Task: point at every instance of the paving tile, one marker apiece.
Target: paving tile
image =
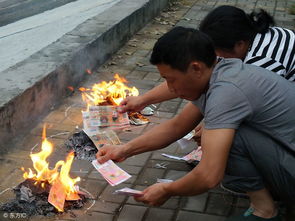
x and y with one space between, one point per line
237 211
219 204
105 207
54 117
184 216
242 202
152 76
195 203
83 165
133 170
159 214
108 196
149 176
94 187
175 174
169 106
137 160
132 213
170 165
96 216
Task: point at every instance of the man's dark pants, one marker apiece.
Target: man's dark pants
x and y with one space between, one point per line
257 161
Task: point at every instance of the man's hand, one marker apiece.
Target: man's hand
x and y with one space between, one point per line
111 152
132 103
155 195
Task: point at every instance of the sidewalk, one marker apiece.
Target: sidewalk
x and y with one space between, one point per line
132 62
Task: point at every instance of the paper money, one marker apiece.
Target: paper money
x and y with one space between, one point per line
106 116
100 118
186 140
111 172
128 192
172 157
195 155
190 135
57 195
107 137
164 180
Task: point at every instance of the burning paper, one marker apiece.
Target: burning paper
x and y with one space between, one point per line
100 115
137 118
111 172
57 195
82 146
62 184
128 192
85 146
108 93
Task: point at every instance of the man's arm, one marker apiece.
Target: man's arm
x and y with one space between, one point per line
216 145
167 132
156 95
156 138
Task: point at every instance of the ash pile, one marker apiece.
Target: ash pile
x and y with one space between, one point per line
32 199
82 145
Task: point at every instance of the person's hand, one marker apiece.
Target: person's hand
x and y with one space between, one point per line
111 152
155 195
132 103
198 133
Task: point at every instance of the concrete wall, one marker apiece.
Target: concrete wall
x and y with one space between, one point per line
40 82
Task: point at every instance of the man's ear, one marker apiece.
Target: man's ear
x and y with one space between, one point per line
240 44
196 68
241 48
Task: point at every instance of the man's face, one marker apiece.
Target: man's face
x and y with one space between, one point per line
187 85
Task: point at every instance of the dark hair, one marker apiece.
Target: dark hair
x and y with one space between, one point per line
180 46
227 25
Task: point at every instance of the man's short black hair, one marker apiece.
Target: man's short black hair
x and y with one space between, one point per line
180 46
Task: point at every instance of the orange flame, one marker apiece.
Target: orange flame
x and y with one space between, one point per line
44 174
113 91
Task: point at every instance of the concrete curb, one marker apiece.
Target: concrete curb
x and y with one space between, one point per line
30 88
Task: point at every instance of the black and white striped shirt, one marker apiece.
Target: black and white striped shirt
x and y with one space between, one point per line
275 51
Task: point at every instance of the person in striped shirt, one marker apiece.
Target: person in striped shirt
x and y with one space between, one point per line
237 35
252 39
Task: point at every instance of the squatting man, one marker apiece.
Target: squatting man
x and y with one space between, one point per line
248 139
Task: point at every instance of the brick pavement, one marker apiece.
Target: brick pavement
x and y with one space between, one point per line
132 62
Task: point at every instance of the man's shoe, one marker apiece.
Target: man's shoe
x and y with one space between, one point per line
248 216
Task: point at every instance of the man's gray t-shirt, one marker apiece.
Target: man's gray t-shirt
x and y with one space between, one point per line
242 93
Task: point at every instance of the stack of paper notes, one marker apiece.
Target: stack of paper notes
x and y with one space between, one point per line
111 172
